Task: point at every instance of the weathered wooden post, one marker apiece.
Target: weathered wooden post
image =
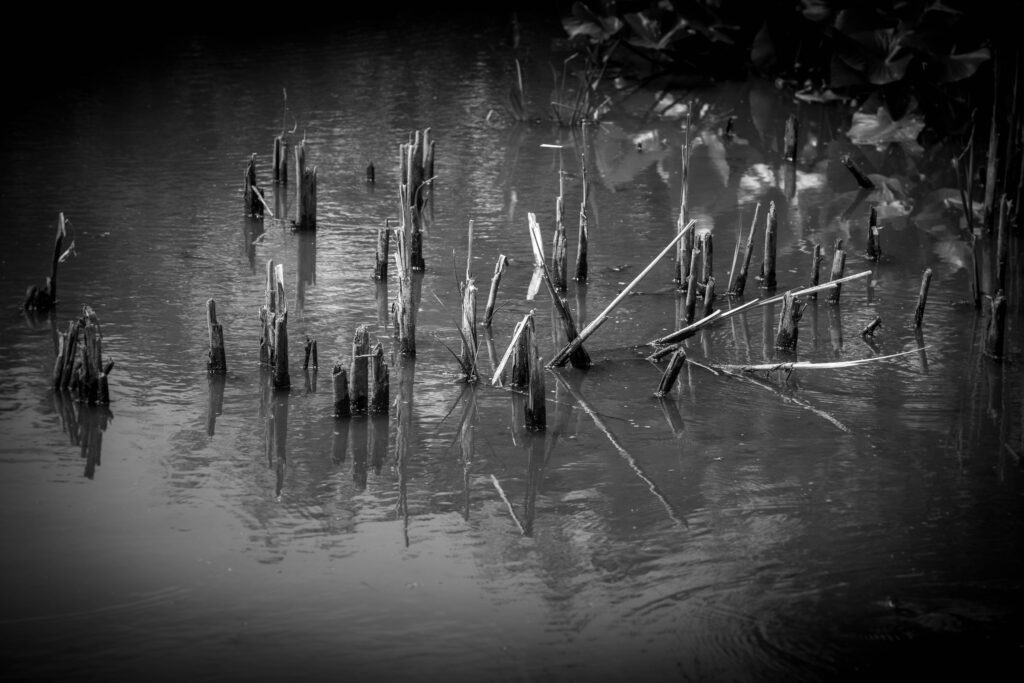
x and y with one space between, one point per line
838 265
559 244
380 268
740 278
253 194
267 311
378 382
815 269
706 255
922 297
770 237
281 377
536 409
684 246
44 299
358 378
709 298
416 170
792 310
467 331
280 159
520 375
217 363
874 251
584 232
691 286
305 209
404 309
339 382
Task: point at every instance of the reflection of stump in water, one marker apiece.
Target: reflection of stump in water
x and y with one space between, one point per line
84 425
357 444
466 436
403 438
277 436
306 266
378 443
216 403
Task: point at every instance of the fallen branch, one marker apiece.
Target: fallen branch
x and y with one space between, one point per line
807 365
562 356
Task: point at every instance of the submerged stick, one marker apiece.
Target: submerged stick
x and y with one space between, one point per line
562 356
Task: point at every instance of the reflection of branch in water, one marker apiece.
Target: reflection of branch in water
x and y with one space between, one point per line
466 440
534 473
277 424
508 504
787 397
651 486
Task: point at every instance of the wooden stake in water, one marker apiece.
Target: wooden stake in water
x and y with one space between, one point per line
559 244
668 378
815 268
995 331
562 356
405 304
584 232
692 280
740 280
359 370
499 269
768 265
305 211
536 409
380 267
706 253
280 159
685 247
787 332
874 244
253 195
922 297
467 330
838 265
217 363
339 381
378 383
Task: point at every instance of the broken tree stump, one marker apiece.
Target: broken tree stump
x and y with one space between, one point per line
740 279
217 362
815 269
253 194
874 250
359 370
305 205
786 335
280 159
378 383
339 383
44 299
838 266
380 267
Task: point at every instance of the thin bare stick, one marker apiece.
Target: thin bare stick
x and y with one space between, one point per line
508 504
563 355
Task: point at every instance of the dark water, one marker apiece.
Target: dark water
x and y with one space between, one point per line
829 524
